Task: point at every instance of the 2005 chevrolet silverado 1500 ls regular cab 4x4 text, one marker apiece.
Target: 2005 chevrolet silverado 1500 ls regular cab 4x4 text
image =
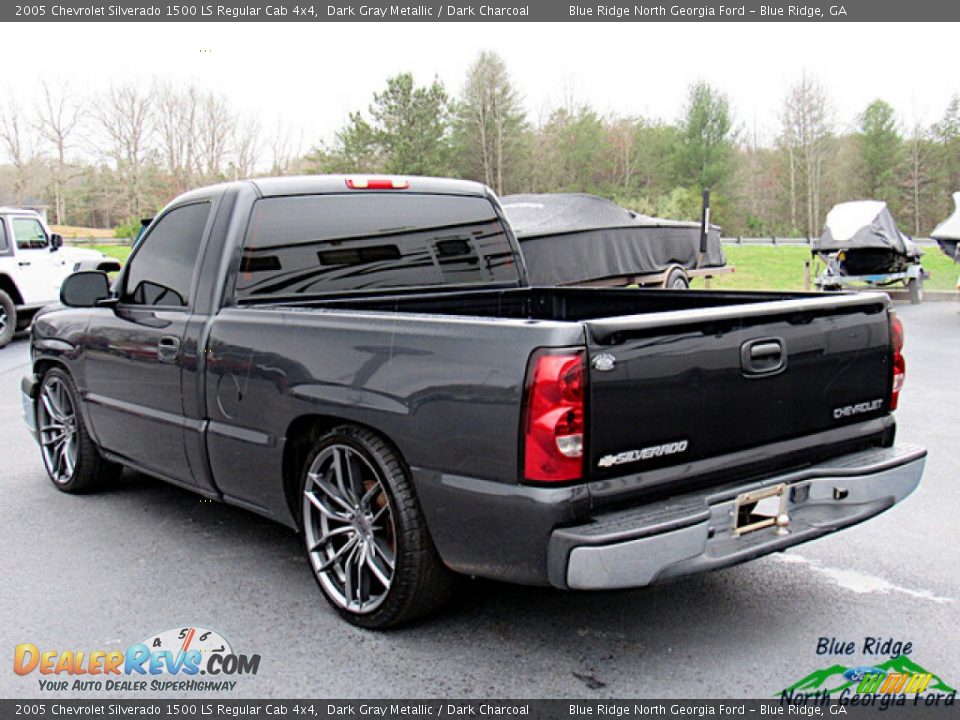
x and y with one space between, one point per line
363 360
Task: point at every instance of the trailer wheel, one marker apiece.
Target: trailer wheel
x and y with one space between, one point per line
915 288
676 280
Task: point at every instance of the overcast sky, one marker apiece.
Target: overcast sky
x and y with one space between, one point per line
313 74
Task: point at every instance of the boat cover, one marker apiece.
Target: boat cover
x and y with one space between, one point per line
574 238
863 224
947 233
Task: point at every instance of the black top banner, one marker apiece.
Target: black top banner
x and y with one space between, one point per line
483 11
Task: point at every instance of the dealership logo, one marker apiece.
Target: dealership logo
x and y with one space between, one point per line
898 680
170 660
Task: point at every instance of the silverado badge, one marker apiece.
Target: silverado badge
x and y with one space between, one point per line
654 451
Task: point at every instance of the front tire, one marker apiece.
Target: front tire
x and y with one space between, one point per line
8 319
365 534
71 458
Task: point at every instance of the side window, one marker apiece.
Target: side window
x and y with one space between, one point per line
4 245
29 233
161 271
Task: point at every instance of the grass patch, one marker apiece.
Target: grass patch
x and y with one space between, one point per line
120 252
780 267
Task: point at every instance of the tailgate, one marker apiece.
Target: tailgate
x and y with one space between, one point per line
676 387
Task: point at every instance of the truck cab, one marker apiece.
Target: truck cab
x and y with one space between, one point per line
33 265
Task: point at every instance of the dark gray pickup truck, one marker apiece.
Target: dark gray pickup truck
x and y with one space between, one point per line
362 359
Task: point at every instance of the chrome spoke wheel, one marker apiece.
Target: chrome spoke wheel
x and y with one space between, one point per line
57 423
349 528
4 319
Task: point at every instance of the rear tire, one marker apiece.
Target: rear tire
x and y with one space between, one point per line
71 458
8 319
677 280
365 534
915 289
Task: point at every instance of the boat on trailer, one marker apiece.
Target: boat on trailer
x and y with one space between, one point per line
947 233
861 246
581 239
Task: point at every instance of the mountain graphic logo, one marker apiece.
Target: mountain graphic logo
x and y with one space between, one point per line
837 678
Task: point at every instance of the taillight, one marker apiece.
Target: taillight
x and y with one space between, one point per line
364 183
899 365
554 420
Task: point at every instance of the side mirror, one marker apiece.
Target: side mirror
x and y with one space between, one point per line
56 242
85 289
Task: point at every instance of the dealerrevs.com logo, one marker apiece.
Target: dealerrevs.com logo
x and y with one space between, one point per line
180 660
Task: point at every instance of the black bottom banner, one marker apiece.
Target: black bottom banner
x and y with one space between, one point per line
862 706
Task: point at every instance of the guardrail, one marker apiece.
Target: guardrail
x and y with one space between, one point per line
773 240
98 241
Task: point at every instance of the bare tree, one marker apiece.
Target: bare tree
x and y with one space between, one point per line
178 128
19 147
622 134
126 118
216 126
756 176
247 148
284 147
58 119
919 147
806 138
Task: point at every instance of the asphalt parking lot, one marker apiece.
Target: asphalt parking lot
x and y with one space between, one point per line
106 570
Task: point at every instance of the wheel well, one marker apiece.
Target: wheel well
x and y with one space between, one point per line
10 288
671 269
676 268
42 366
302 434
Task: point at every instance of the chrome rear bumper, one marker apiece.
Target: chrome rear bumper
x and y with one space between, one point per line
695 532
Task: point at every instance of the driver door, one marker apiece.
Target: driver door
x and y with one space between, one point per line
133 351
38 278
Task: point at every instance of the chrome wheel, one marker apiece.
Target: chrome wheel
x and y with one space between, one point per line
349 529
3 320
57 423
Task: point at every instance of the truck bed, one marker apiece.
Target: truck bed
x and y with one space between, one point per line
679 377
551 303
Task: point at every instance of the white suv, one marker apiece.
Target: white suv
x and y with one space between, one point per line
33 264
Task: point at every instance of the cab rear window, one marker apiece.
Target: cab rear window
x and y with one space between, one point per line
317 244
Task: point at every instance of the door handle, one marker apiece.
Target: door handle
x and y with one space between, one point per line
24 263
762 350
168 349
766 356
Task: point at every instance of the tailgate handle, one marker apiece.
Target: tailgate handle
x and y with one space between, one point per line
763 357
